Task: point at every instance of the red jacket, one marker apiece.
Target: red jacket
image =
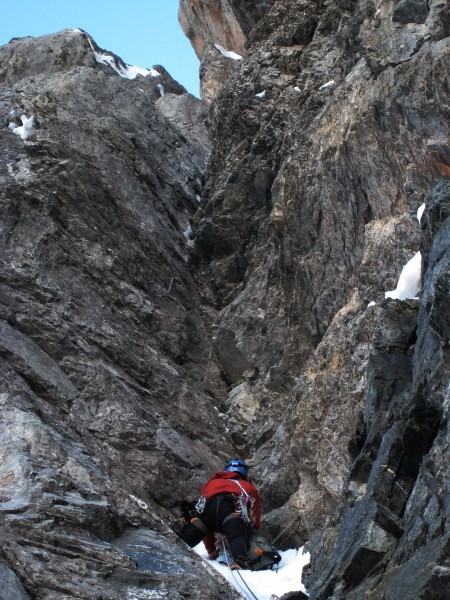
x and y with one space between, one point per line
221 483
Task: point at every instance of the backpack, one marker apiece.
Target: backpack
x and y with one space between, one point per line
261 554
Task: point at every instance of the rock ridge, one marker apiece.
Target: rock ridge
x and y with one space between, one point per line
98 318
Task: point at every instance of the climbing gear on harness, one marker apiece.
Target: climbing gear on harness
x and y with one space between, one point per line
200 505
245 505
236 465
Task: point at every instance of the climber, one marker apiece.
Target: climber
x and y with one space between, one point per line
230 505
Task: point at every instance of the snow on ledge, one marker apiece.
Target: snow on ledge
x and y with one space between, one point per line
420 212
228 53
261 94
327 85
25 129
127 72
408 285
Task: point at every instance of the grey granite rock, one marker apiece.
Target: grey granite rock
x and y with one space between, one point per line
11 589
411 11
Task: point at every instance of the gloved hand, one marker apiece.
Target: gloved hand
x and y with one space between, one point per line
213 555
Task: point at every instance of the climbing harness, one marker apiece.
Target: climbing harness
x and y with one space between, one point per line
245 505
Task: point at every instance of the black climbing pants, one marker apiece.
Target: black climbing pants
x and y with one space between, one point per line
218 516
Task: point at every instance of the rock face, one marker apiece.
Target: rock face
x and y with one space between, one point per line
101 328
224 22
328 137
216 28
157 317
390 536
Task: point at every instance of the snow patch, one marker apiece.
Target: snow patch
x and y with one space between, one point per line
228 53
265 584
161 89
261 94
297 90
420 212
141 594
25 129
127 71
371 304
327 85
189 236
408 285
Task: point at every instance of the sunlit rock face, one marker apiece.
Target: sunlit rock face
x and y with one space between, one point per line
223 23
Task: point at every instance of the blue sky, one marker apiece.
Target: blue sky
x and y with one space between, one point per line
142 32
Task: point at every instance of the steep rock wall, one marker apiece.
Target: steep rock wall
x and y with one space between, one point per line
389 537
326 140
330 134
102 351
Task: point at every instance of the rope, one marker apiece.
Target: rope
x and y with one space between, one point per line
299 517
233 572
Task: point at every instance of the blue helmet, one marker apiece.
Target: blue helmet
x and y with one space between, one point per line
236 465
